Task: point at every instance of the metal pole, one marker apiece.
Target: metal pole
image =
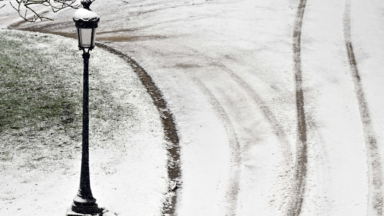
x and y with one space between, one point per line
84 202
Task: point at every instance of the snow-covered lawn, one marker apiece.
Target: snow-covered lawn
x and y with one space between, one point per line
40 165
232 73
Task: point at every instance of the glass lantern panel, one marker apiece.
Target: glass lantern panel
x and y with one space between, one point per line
94 37
85 37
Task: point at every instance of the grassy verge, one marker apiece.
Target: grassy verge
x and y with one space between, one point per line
41 100
40 130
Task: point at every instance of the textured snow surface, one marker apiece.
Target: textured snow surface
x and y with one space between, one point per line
227 70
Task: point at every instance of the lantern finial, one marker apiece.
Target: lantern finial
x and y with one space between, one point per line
86 4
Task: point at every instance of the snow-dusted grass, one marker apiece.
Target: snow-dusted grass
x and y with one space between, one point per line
40 130
227 72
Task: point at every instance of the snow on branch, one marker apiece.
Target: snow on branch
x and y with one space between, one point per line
25 7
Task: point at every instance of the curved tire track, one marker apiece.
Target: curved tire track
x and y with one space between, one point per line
173 148
174 171
277 128
233 190
300 173
375 197
267 113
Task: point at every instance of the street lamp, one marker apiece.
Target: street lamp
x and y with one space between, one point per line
86 24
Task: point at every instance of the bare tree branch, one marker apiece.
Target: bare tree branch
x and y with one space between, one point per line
24 8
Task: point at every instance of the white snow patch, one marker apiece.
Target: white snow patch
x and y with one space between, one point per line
85 15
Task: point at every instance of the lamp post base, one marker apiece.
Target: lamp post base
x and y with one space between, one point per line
70 212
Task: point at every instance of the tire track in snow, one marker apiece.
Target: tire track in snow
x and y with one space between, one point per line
300 172
233 190
174 170
267 113
375 172
277 128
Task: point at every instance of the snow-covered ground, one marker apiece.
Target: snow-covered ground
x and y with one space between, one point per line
233 73
128 157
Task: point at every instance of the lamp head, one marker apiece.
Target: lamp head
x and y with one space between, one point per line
86 23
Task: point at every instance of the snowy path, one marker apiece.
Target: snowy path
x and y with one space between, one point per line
277 103
375 197
338 158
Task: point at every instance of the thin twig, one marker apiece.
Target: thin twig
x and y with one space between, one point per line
25 6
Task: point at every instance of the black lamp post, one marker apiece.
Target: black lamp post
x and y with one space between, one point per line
86 24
